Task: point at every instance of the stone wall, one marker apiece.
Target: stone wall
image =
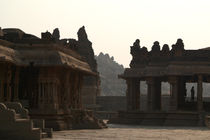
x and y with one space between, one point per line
111 103
116 103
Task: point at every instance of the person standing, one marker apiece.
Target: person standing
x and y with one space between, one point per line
192 94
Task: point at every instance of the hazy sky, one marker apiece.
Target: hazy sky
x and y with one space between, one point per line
113 25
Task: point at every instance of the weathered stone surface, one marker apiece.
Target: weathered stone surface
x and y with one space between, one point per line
47 36
17 127
85 120
56 34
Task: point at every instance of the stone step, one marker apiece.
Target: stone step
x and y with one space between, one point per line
18 116
44 135
35 129
22 120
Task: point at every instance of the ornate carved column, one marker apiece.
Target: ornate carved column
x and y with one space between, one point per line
66 90
133 94
80 89
43 94
55 93
16 84
200 93
1 90
174 93
8 84
49 93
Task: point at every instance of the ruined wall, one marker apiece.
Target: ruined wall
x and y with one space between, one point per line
111 103
116 103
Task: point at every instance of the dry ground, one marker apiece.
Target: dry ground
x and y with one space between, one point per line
125 132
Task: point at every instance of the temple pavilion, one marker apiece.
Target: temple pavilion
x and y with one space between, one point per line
176 67
45 75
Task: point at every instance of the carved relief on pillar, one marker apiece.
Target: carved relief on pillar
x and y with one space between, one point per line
173 80
47 92
76 93
16 84
80 83
66 90
1 90
8 82
200 93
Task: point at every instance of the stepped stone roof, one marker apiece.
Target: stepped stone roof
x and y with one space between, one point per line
24 49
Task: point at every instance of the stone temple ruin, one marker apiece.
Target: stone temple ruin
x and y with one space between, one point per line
46 76
91 84
91 87
177 67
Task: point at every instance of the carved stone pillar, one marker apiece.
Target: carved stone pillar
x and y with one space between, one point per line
133 94
200 93
8 83
157 94
39 93
54 93
150 93
1 91
48 91
153 94
43 95
174 93
16 85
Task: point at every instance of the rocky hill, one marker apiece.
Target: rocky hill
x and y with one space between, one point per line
112 86
109 71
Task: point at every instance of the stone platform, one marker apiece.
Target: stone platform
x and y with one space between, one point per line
178 118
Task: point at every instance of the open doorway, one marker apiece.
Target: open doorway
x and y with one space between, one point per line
143 97
165 96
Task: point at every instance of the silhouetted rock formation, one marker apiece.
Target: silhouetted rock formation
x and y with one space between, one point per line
109 70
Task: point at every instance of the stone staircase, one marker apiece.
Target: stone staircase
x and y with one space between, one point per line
16 124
